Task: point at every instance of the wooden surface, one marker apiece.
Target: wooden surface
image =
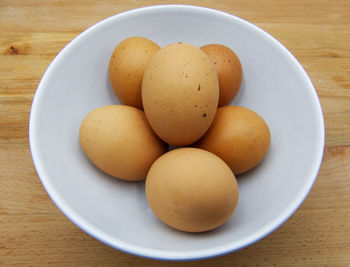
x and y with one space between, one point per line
33 232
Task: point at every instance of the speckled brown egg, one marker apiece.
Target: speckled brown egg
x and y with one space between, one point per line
229 69
119 141
191 190
126 68
239 136
180 93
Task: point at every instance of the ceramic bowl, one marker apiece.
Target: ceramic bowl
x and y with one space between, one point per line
274 85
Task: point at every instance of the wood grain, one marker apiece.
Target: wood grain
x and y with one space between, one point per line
34 232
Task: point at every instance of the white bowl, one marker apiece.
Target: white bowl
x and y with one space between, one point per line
116 212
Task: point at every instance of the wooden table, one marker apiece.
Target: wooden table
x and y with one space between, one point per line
32 229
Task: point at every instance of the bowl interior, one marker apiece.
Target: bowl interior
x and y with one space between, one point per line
116 212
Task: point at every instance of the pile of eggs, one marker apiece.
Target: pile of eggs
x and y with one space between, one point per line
177 95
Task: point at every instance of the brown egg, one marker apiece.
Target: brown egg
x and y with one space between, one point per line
229 71
180 93
191 190
239 136
126 68
119 141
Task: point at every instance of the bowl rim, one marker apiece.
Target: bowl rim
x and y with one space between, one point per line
160 254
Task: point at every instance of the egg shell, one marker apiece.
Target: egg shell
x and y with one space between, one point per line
180 93
119 141
191 190
229 70
126 68
239 136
